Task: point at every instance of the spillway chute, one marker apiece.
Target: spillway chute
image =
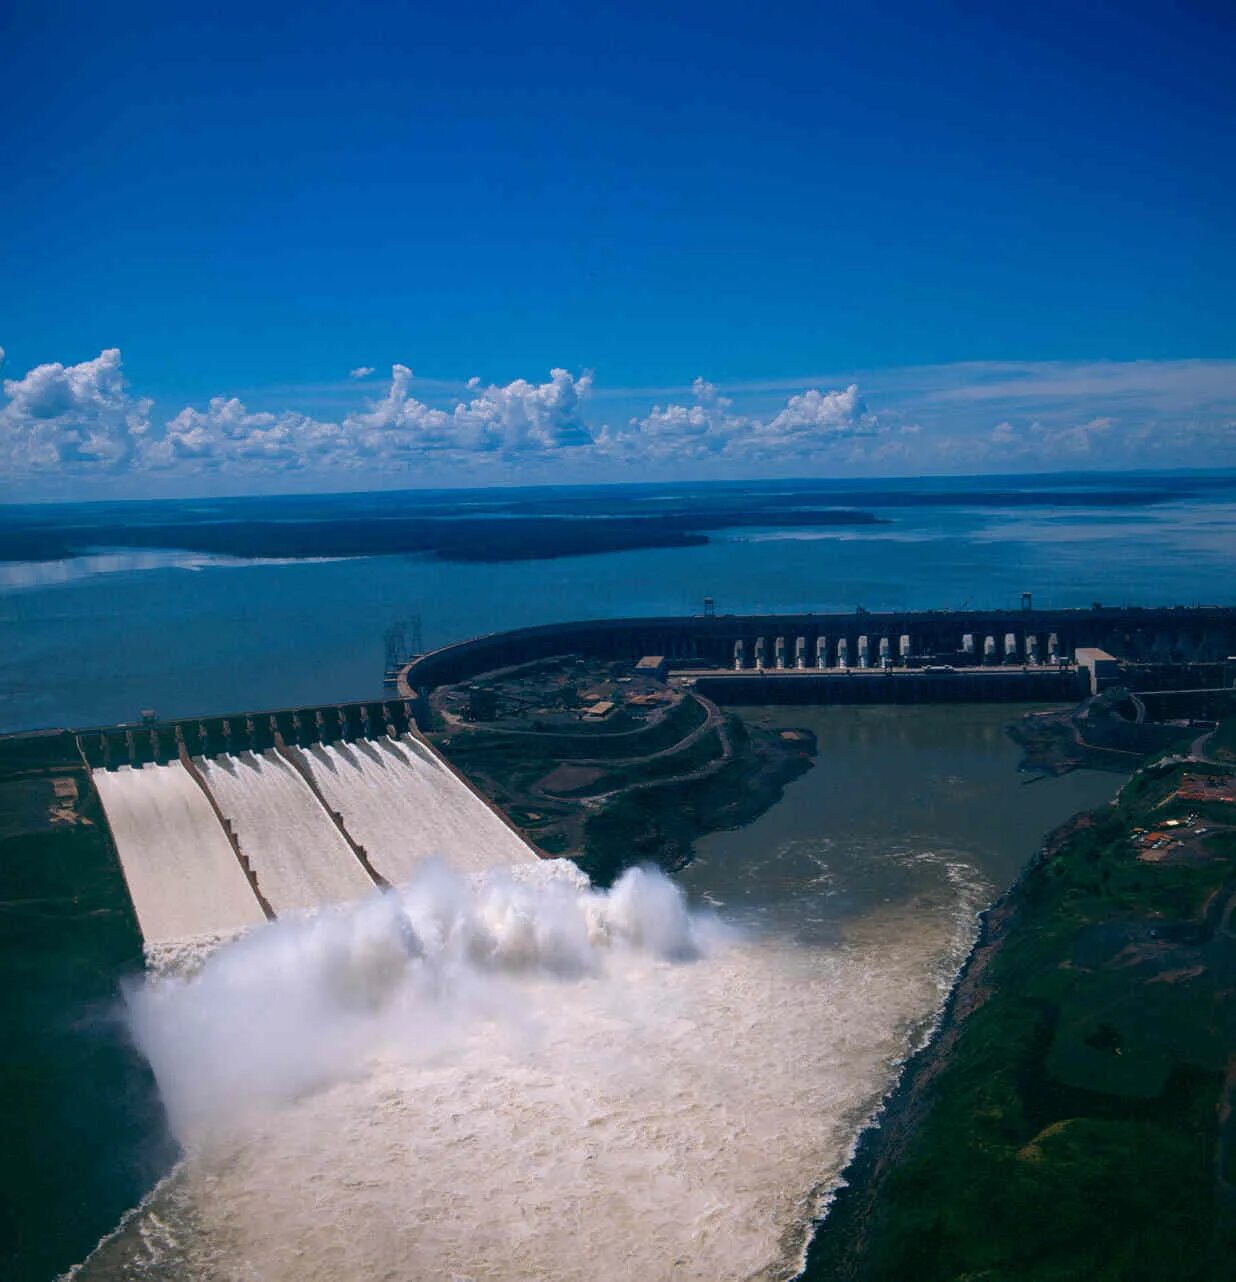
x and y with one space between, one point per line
182 872
300 858
403 806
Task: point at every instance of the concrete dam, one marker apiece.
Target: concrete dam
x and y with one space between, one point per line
932 656
212 843
222 822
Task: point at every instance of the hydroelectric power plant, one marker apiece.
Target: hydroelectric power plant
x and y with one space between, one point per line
369 999
221 822
919 656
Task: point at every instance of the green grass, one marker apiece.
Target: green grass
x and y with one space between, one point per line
82 1135
1222 744
1072 1130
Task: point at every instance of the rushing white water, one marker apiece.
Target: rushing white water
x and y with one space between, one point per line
520 1077
299 856
404 805
183 876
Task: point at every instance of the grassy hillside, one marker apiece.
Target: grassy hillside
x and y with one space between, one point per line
1074 1117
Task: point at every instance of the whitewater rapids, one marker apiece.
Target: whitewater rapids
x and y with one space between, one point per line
517 1076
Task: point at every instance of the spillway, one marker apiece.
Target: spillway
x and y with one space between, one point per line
298 854
183 875
405 806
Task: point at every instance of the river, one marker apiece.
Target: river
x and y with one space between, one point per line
655 1114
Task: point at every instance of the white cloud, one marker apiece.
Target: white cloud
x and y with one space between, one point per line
228 437
518 419
703 430
1035 439
83 420
815 419
807 424
71 418
361 371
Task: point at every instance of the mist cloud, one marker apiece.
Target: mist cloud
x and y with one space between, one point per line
303 1002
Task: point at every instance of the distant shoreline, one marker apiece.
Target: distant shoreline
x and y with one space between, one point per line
523 524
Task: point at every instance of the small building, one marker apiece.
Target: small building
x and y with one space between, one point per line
1102 669
654 666
599 711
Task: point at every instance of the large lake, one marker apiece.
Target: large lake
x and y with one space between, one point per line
96 639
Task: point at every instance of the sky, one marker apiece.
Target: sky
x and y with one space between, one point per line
250 248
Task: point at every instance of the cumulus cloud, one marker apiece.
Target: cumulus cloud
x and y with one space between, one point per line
78 420
807 424
517 419
228 437
1035 440
60 419
361 371
71 418
817 419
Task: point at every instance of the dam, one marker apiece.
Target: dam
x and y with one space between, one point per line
1031 649
591 1062
224 821
212 843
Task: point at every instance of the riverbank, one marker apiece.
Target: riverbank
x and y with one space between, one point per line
1072 1115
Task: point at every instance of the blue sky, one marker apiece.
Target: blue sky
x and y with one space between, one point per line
921 201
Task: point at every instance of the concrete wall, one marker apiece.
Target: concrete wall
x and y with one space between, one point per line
1163 635
137 745
975 686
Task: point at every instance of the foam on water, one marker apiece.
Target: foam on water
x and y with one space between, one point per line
519 1076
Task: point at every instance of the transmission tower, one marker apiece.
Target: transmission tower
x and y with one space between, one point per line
403 640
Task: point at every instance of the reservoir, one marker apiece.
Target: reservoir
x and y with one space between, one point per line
672 1098
95 640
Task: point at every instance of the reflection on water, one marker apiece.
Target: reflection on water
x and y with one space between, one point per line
16 576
